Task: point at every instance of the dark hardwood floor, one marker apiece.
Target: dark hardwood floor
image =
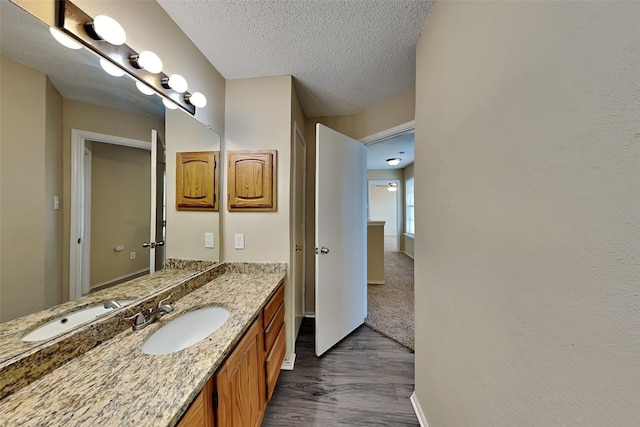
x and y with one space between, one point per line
365 380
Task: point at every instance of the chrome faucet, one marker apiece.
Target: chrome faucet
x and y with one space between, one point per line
140 321
112 304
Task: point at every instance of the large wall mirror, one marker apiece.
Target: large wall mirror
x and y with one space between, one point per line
49 92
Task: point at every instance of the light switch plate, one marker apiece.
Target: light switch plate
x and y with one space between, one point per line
208 240
239 241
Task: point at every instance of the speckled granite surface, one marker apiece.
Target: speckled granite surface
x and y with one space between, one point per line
116 382
12 331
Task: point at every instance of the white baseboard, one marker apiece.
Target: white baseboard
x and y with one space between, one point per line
408 254
287 364
310 315
119 279
418 410
371 282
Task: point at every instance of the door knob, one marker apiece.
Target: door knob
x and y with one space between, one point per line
324 250
298 248
153 244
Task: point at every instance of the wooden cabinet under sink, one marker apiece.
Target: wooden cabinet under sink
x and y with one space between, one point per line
237 394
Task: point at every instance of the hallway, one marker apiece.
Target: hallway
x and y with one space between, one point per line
365 380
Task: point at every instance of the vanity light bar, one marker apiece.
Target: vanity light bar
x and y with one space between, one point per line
72 20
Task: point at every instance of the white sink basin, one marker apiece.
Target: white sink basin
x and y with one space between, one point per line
69 321
186 330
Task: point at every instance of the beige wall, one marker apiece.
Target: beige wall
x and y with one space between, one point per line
258 116
186 229
30 277
120 201
527 214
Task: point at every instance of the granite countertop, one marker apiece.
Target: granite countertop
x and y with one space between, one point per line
11 332
117 382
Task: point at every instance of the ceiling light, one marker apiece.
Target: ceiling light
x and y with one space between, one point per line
196 99
392 187
108 29
169 104
175 82
147 60
110 68
393 161
144 88
64 39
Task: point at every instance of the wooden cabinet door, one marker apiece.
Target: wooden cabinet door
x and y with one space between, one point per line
197 180
252 180
200 413
241 384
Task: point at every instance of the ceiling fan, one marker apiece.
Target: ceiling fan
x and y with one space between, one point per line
392 186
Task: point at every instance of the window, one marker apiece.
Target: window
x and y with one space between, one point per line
410 223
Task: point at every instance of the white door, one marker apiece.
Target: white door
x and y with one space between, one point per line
340 239
156 241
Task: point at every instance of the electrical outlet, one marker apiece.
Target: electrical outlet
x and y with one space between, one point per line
132 255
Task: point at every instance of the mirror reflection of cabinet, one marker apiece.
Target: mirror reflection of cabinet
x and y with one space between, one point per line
197 179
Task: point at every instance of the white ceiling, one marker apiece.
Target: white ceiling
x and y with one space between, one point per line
345 55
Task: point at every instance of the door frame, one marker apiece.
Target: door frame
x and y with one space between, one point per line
76 243
372 139
297 133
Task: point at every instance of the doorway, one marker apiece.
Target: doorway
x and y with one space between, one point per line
111 199
384 204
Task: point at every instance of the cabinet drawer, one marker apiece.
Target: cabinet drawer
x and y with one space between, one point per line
273 362
271 331
272 306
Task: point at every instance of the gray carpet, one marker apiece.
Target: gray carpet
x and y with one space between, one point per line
391 306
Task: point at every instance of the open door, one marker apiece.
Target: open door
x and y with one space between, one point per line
340 239
156 242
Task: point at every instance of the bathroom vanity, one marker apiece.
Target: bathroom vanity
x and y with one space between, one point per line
115 381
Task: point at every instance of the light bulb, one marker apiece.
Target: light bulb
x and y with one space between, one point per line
196 99
109 30
111 69
144 88
175 82
169 104
392 188
147 60
64 39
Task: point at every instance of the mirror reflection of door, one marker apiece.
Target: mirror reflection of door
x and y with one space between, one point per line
117 218
114 195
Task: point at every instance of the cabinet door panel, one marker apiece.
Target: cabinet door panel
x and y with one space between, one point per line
252 180
197 180
241 384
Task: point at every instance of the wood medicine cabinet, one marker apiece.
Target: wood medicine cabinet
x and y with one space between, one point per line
252 180
197 177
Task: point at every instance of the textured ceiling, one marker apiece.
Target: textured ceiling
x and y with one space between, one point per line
345 55
400 146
